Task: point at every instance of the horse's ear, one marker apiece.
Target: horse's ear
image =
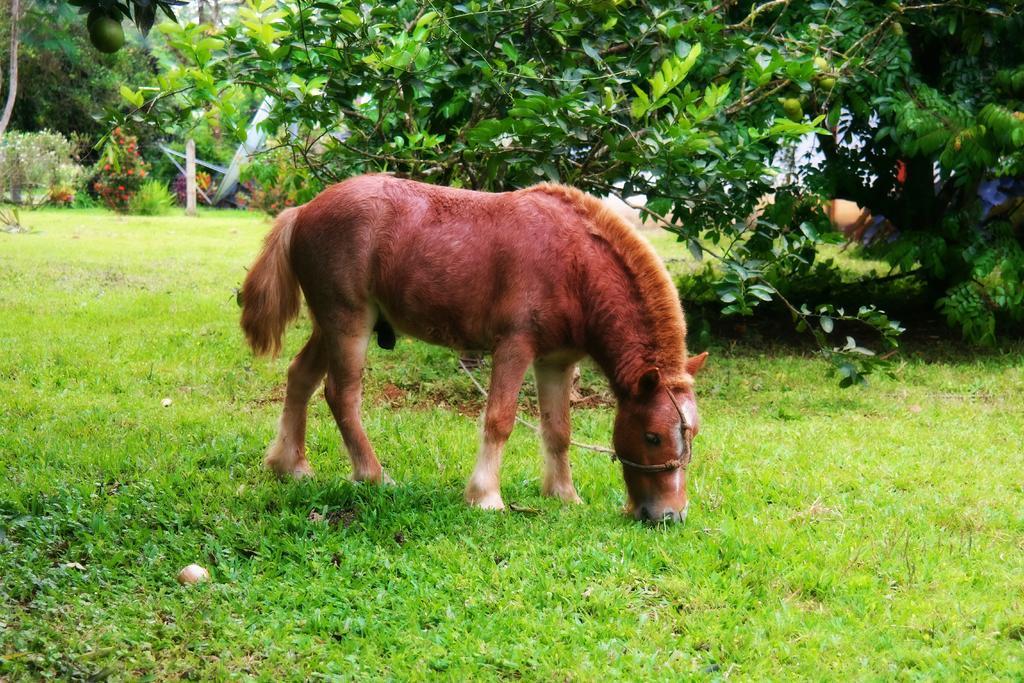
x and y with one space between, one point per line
648 382
695 363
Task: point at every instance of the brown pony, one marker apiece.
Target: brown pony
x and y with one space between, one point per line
542 276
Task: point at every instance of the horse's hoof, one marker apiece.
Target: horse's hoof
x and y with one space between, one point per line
565 495
562 492
380 478
486 501
300 469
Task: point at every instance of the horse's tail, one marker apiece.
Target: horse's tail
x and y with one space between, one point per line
270 294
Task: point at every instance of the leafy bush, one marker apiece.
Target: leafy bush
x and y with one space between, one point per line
36 166
120 171
204 185
932 142
67 184
276 182
61 195
152 199
84 200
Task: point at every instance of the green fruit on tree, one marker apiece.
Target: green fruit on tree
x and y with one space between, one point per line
827 83
820 63
897 29
105 33
794 110
93 16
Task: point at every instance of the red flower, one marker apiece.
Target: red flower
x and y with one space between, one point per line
130 171
121 187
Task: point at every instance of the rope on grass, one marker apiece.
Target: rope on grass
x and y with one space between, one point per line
527 423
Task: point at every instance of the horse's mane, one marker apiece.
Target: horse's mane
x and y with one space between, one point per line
658 295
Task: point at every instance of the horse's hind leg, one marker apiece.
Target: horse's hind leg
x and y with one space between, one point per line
346 342
554 385
286 456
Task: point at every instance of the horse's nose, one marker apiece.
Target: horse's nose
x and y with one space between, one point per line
655 514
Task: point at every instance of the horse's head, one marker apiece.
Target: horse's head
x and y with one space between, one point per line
653 437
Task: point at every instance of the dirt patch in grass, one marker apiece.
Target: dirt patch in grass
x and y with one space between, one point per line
275 395
392 395
345 517
586 397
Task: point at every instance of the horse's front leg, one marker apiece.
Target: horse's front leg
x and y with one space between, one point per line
554 386
511 359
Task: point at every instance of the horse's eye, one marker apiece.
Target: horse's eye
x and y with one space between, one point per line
652 439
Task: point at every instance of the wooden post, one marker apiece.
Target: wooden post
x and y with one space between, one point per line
190 177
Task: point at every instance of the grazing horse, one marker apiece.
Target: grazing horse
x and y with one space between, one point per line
540 276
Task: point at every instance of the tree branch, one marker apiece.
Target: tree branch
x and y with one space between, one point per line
758 10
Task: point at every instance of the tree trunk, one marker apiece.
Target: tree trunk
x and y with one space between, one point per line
12 80
3 19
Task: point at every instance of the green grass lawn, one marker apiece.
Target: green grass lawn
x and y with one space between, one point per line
872 533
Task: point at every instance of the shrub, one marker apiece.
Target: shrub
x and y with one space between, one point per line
84 200
152 199
277 183
36 166
65 184
204 185
120 172
61 195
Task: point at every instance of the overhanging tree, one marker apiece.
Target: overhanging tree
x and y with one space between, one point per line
688 105
932 141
